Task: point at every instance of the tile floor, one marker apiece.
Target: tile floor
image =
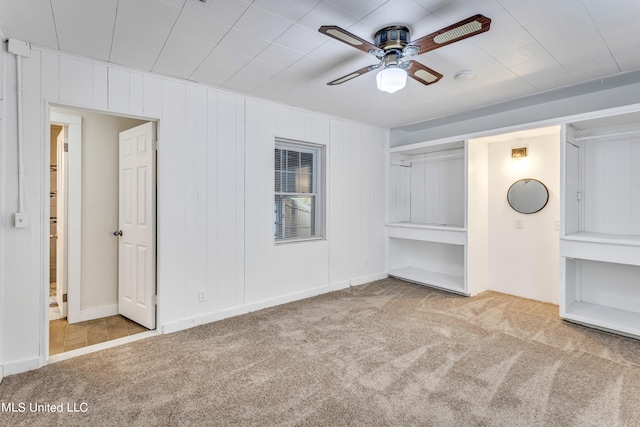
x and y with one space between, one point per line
65 337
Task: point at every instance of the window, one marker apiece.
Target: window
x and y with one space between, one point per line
297 207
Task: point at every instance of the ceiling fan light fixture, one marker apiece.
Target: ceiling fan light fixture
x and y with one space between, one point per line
391 79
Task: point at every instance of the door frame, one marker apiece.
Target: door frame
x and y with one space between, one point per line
72 126
77 187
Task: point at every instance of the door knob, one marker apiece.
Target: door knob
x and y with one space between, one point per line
117 233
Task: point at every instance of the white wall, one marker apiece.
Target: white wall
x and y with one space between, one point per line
357 203
215 182
3 218
524 261
612 185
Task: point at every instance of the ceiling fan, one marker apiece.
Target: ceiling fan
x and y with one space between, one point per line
393 45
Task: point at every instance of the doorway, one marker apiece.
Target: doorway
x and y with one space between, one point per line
57 309
514 252
88 251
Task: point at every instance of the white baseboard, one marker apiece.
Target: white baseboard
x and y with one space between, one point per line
191 322
358 281
98 312
22 366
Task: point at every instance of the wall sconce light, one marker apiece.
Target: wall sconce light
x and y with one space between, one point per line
518 153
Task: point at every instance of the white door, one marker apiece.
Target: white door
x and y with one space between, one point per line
137 227
61 226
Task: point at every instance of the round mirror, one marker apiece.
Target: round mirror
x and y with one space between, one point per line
528 196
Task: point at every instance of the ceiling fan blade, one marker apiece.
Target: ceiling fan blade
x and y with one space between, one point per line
346 37
466 28
423 74
353 75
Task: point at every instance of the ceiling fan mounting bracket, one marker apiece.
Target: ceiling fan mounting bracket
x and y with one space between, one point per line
393 37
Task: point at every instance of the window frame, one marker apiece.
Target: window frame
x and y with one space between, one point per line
318 186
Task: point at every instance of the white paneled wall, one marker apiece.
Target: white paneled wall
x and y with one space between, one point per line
612 201
357 202
437 191
3 222
215 198
283 269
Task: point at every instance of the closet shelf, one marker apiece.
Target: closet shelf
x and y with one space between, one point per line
434 279
607 318
440 233
603 250
618 239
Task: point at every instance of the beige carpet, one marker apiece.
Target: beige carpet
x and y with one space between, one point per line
385 353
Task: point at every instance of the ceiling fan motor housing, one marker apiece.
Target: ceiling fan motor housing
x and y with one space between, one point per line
394 37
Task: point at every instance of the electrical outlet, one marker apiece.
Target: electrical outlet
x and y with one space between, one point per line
202 295
21 220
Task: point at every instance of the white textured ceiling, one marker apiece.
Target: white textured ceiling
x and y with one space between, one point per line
272 49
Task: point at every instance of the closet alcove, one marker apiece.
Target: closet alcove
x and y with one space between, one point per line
450 224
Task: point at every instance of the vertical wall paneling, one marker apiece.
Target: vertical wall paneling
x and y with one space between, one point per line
100 87
136 94
240 197
418 182
259 181
2 203
196 193
212 205
399 203
376 185
171 201
36 162
76 81
119 90
357 201
229 168
24 300
50 77
611 166
635 191
152 92
338 168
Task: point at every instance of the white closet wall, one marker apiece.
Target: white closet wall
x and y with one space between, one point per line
523 250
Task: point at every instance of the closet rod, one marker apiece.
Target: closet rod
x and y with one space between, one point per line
609 135
425 159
